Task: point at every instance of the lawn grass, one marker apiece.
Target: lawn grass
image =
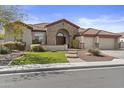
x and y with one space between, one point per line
40 58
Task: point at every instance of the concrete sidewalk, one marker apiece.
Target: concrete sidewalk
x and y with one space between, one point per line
62 66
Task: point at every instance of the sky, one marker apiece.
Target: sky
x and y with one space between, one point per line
103 17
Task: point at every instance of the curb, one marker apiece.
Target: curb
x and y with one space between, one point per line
23 70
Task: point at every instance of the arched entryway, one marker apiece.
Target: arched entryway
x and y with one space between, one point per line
62 37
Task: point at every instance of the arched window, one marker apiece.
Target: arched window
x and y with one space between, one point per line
60 34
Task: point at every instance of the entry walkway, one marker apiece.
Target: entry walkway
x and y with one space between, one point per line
72 56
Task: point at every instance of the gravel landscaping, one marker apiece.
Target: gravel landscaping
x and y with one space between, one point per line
84 55
7 58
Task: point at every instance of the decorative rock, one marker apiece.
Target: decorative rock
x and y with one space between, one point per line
88 54
5 59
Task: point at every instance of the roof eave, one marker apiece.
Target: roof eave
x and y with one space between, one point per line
60 21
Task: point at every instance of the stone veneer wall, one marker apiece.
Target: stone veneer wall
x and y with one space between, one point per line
53 29
55 47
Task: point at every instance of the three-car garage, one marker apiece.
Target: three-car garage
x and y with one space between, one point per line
93 38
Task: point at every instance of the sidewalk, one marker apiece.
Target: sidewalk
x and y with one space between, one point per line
62 66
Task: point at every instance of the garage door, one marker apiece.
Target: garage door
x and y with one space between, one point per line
106 43
88 42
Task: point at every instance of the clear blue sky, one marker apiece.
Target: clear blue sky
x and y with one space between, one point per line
105 17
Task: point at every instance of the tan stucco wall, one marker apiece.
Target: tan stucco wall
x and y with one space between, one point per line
27 37
53 29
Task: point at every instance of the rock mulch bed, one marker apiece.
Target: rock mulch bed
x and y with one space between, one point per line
6 59
84 55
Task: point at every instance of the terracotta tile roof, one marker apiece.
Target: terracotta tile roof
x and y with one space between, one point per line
38 27
102 32
61 21
91 31
96 32
22 23
81 30
122 34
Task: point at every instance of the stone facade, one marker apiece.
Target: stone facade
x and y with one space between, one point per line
54 29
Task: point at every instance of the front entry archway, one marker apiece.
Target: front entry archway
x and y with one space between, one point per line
60 39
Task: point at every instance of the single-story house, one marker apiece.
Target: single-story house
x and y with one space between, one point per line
121 39
59 34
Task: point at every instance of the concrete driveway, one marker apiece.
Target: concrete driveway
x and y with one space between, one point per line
115 53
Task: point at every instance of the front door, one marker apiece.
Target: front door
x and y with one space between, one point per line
60 40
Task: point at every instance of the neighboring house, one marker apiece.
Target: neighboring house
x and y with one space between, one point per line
121 40
122 36
62 32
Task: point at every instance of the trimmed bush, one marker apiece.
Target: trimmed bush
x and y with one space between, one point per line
4 50
10 45
36 48
20 46
36 41
95 52
75 43
15 45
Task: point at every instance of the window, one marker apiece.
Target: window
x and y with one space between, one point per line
60 34
39 36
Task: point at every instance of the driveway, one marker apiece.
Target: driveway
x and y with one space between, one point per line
115 53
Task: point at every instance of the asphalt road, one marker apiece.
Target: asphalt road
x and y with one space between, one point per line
100 77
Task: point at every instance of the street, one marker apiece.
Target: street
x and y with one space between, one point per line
96 77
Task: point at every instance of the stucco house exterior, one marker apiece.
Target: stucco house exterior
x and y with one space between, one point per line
121 39
59 34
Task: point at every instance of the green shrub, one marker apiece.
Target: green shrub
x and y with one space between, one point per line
20 46
36 48
10 45
36 41
1 36
95 52
4 50
75 43
15 45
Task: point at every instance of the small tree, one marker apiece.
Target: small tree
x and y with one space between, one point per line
9 14
1 36
75 43
15 30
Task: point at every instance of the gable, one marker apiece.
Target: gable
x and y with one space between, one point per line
62 21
